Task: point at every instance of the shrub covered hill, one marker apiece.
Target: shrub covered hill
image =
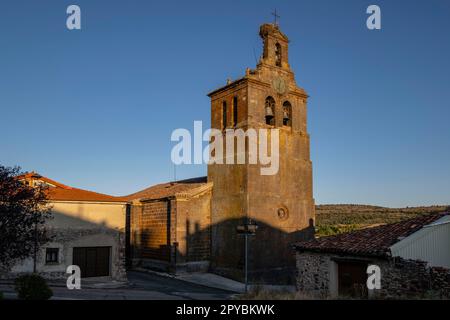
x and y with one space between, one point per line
338 218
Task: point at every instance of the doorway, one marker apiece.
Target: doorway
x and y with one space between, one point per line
93 261
352 279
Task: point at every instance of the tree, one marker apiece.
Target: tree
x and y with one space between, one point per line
23 212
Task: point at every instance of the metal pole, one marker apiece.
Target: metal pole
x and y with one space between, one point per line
246 263
35 248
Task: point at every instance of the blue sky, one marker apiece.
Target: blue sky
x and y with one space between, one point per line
95 108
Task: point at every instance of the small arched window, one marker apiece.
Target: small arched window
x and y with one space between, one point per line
278 55
287 114
235 111
224 115
269 109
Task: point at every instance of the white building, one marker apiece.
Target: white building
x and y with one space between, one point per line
88 230
430 243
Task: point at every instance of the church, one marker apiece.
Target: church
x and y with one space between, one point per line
196 224
192 225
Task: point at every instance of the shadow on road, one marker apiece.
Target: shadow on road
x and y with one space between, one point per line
141 286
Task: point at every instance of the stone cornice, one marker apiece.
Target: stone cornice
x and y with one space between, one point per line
251 80
196 192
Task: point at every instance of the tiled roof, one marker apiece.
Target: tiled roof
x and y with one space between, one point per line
36 176
74 194
60 192
168 189
374 241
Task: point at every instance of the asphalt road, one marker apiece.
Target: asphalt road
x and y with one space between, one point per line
142 286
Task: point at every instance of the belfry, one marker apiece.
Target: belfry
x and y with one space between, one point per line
192 224
281 204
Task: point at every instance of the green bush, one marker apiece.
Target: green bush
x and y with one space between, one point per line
331 230
32 287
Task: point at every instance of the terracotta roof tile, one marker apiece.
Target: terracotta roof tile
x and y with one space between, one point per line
74 194
35 176
168 189
60 192
374 241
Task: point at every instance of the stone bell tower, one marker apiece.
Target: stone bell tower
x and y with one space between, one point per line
281 204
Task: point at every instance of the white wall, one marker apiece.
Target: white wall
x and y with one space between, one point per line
430 244
81 224
88 215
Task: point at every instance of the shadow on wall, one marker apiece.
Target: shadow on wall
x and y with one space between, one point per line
271 259
68 232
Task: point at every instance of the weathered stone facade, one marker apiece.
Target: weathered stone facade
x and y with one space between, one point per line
313 274
281 204
66 239
413 279
173 232
156 222
317 275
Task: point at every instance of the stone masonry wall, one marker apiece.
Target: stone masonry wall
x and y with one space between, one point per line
399 278
413 279
313 274
154 231
172 232
281 202
194 229
65 240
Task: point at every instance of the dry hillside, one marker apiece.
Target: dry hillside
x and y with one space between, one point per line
332 219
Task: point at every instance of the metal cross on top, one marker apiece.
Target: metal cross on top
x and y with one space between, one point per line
276 16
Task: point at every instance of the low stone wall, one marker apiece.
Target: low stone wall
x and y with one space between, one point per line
440 281
413 279
45 275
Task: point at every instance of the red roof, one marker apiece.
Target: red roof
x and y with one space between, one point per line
60 192
168 189
374 241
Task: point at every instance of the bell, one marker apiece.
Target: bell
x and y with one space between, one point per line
269 111
285 115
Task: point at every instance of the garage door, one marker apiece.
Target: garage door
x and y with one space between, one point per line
93 261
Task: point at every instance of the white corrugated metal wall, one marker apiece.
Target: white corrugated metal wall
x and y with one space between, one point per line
431 244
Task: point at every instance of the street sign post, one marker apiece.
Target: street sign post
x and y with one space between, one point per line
247 229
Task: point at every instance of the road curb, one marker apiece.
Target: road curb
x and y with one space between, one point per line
172 276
